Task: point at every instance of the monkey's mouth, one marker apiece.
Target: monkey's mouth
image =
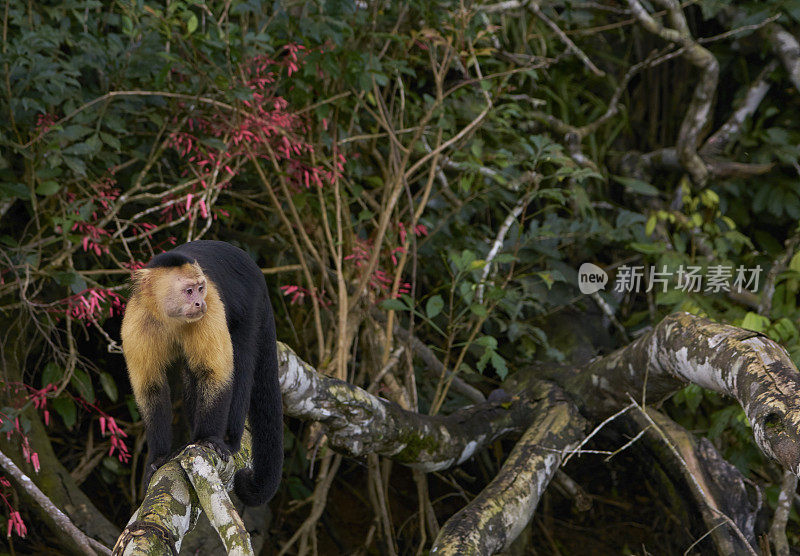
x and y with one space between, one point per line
195 314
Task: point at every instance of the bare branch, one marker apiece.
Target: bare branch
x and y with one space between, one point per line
777 531
698 114
743 364
571 46
733 127
86 545
786 46
358 423
498 243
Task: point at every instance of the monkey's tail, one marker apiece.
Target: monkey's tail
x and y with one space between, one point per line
257 485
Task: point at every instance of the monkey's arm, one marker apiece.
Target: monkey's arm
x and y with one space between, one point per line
148 350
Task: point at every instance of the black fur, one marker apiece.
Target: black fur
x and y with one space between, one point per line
254 389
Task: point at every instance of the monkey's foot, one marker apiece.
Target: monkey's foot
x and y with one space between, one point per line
152 465
216 444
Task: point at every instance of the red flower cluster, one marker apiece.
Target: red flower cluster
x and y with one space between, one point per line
263 125
90 303
117 434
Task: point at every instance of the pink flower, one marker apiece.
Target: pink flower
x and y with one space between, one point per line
15 522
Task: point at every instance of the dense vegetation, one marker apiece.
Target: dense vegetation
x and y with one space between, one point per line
442 166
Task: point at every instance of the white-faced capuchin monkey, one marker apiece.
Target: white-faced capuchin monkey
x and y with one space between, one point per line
205 304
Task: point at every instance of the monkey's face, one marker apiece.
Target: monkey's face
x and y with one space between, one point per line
186 300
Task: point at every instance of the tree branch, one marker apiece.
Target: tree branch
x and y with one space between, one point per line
358 423
682 348
786 46
698 114
501 511
80 540
195 481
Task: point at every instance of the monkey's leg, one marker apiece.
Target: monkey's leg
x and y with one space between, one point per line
211 404
156 410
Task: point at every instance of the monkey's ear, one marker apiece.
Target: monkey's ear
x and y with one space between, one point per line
140 276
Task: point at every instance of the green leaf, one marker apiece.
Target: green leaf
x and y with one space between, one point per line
785 330
499 365
109 386
754 321
191 25
24 424
52 374
693 395
75 281
111 141
484 359
648 248
633 185
127 25
11 190
80 149
434 306
463 260
83 384
297 490
489 342
47 188
65 407
651 225
794 264
7 422
113 465
478 309
720 420
393 305
76 165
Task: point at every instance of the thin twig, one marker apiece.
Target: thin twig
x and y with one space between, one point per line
566 40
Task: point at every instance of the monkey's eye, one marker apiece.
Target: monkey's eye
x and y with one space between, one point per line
200 288
189 291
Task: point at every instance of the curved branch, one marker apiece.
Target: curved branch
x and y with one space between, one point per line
682 348
732 128
717 489
196 480
501 511
358 423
